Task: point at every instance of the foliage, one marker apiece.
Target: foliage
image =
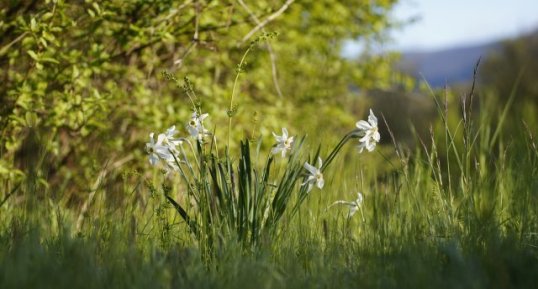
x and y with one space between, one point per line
81 79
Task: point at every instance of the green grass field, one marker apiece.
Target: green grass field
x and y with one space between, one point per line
458 211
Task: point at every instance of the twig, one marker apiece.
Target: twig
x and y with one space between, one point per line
10 194
5 49
269 48
179 61
267 20
196 20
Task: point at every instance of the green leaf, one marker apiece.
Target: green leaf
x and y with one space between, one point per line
47 16
18 119
43 41
33 25
33 55
48 36
96 7
50 60
31 119
183 214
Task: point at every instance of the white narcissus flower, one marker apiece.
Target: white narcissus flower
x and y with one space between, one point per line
315 177
371 133
353 206
157 150
196 126
284 143
165 149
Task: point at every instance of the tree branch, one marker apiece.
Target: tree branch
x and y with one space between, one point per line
267 20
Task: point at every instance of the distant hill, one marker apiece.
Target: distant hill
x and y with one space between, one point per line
447 66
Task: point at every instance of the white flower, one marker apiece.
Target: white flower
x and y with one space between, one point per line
196 126
283 143
165 149
353 206
315 175
371 133
157 150
169 139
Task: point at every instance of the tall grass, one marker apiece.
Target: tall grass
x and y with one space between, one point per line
460 211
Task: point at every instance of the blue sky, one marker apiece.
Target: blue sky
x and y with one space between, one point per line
444 23
448 23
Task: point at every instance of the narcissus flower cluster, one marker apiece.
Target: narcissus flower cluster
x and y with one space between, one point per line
165 149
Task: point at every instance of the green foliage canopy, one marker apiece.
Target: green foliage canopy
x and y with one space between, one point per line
81 80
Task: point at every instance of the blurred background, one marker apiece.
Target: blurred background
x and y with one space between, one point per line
439 45
442 41
85 82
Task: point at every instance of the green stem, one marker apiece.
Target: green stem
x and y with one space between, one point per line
231 108
337 149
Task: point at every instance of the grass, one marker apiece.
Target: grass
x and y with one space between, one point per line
459 212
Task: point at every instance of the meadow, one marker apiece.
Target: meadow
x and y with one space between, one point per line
177 151
459 212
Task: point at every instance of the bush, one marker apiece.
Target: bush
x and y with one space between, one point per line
81 78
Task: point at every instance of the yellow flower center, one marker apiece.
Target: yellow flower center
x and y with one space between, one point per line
287 142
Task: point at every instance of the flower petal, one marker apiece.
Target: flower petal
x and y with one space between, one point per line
372 119
193 131
153 159
361 147
365 139
360 198
160 138
370 146
363 125
342 202
171 131
321 183
310 168
309 180
352 210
